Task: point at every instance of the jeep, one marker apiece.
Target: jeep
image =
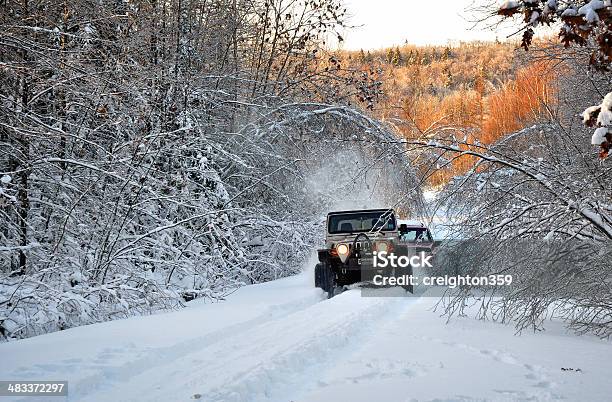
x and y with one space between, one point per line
415 234
350 241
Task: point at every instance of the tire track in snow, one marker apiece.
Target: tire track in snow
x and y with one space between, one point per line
270 361
311 378
112 376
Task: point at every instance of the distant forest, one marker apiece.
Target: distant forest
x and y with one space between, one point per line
487 89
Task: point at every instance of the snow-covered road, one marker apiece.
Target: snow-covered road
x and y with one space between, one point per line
283 341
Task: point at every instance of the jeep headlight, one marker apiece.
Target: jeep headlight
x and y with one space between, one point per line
343 251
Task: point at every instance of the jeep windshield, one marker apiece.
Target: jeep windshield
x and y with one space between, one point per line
355 222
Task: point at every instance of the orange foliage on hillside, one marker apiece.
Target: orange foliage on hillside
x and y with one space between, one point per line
519 102
475 90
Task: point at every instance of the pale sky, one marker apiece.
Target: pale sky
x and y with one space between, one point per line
391 22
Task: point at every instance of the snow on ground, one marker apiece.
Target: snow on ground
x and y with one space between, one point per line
283 341
418 357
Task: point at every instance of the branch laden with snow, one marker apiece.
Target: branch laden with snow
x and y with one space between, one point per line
600 116
584 23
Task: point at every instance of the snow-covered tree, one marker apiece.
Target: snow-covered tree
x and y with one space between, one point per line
153 152
535 204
